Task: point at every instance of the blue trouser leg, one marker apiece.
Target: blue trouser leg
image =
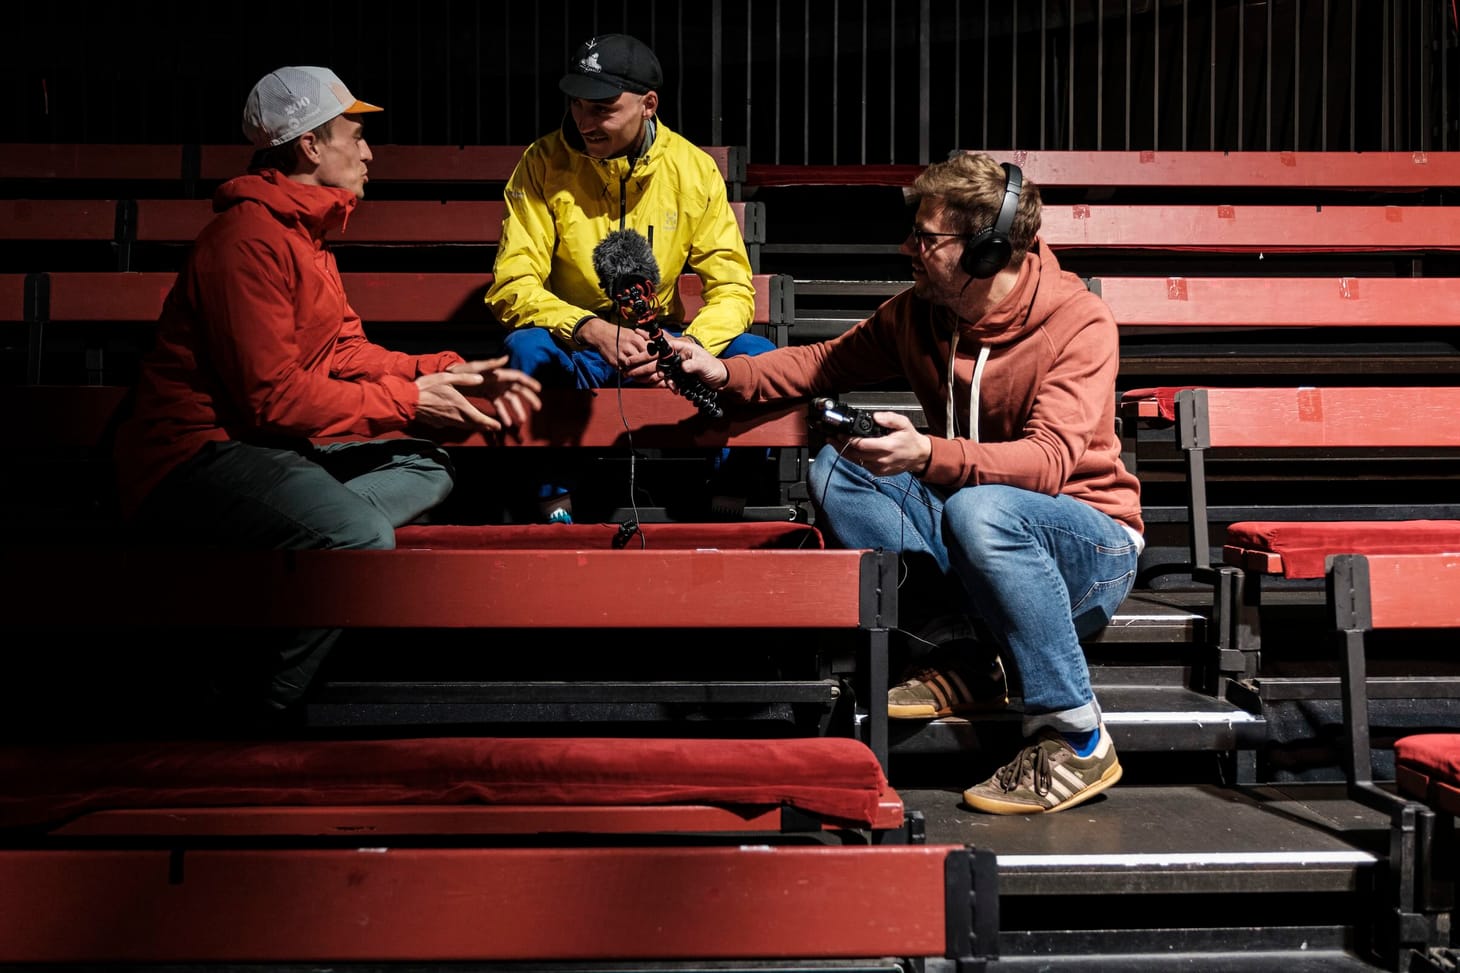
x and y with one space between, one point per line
535 351
1042 572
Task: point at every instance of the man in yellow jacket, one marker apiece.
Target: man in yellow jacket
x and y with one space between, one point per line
614 166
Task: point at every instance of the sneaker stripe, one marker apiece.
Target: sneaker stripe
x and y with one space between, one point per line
938 686
1062 787
949 691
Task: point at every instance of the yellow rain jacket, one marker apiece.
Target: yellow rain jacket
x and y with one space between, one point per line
561 202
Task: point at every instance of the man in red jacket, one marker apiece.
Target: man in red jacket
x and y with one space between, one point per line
1017 492
258 354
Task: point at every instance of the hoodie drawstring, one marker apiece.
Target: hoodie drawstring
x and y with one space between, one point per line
973 389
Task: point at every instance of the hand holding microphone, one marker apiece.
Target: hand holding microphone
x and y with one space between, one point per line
629 275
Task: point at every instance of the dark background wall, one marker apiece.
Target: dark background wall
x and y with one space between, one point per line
817 81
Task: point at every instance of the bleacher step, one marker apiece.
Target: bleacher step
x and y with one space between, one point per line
1189 839
1154 718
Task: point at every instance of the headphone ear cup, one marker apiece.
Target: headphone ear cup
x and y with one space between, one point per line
985 254
988 251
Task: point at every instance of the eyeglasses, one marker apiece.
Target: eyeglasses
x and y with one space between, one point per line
926 238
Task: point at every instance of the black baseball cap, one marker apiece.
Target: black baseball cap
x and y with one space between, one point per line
610 64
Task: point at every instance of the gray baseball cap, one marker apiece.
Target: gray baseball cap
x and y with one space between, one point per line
610 64
290 101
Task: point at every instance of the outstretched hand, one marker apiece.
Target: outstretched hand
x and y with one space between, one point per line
697 363
513 393
444 401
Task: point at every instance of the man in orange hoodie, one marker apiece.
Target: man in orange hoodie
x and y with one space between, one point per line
258 354
1016 492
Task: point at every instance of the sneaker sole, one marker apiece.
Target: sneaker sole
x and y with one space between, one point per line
915 712
925 711
995 806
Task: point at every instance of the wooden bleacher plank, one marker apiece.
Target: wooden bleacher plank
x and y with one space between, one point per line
12 298
1282 302
76 416
435 163
428 298
1413 591
377 221
91 161
452 903
1355 416
58 219
1387 171
1107 169
107 296
405 297
170 220
410 221
99 297
1258 229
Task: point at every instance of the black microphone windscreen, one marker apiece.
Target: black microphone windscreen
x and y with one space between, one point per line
624 255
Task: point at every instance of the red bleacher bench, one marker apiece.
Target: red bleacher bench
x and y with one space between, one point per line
451 849
1104 170
1293 422
187 164
100 299
1403 595
683 575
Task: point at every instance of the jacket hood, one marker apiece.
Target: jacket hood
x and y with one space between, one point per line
316 209
1040 288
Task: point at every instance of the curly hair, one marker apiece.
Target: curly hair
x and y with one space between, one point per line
970 189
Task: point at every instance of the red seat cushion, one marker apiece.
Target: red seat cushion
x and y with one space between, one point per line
1427 768
832 776
1304 545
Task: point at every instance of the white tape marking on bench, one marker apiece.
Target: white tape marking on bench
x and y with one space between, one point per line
1238 716
1157 860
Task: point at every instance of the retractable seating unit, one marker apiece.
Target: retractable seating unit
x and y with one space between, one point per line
536 851
738 579
1414 596
1277 481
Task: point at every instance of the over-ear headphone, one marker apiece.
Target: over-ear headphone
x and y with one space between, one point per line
988 251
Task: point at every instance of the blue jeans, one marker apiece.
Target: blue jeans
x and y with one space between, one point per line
308 497
535 351
1041 572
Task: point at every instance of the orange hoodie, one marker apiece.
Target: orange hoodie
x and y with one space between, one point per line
257 340
1045 401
